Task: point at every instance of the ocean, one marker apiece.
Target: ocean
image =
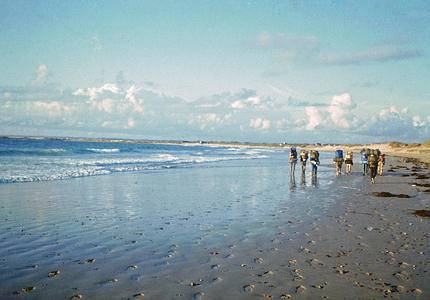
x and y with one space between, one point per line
25 160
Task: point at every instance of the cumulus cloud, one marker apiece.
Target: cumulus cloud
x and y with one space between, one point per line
373 55
250 101
210 120
41 74
52 108
259 123
394 122
338 114
111 98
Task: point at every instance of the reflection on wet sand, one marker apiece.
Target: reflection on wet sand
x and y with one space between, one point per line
234 231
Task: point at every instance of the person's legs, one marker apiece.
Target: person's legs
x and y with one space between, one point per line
372 173
380 168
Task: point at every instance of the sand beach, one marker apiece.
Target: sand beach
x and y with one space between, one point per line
232 229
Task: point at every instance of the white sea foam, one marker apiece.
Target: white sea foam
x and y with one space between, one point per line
103 150
42 168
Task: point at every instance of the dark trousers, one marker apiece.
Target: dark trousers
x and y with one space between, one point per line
373 171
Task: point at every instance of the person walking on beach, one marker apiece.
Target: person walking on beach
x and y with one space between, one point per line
338 160
373 164
364 161
315 161
381 163
303 159
349 162
293 160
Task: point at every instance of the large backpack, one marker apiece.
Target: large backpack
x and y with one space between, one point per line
364 155
314 155
372 158
349 155
304 154
293 153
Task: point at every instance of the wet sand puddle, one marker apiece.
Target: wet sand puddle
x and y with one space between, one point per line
233 231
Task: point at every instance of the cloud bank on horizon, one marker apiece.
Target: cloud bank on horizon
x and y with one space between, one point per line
273 74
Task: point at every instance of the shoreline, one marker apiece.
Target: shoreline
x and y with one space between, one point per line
395 149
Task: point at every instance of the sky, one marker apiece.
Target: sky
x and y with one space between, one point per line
257 71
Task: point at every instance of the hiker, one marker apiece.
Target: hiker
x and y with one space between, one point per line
303 159
315 161
373 164
293 160
349 162
338 160
364 162
381 163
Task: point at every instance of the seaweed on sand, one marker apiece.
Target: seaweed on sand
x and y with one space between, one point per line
422 213
387 194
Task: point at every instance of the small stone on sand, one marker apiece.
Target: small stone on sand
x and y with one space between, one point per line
53 273
28 289
300 289
139 295
199 295
417 291
248 288
258 260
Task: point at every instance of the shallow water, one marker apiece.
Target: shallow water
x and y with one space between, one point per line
199 230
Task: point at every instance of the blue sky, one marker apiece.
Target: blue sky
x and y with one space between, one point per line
332 71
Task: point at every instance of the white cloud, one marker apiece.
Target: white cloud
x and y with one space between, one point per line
238 104
41 74
338 114
52 108
252 101
316 117
111 98
209 121
259 123
130 123
94 92
397 123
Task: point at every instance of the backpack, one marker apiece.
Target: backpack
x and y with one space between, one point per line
364 155
338 154
315 155
372 158
349 155
304 154
293 152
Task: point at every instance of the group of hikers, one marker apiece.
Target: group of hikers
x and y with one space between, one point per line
313 156
371 159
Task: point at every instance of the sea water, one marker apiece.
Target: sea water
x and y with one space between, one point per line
23 160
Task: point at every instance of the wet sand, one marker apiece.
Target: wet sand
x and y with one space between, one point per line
231 230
